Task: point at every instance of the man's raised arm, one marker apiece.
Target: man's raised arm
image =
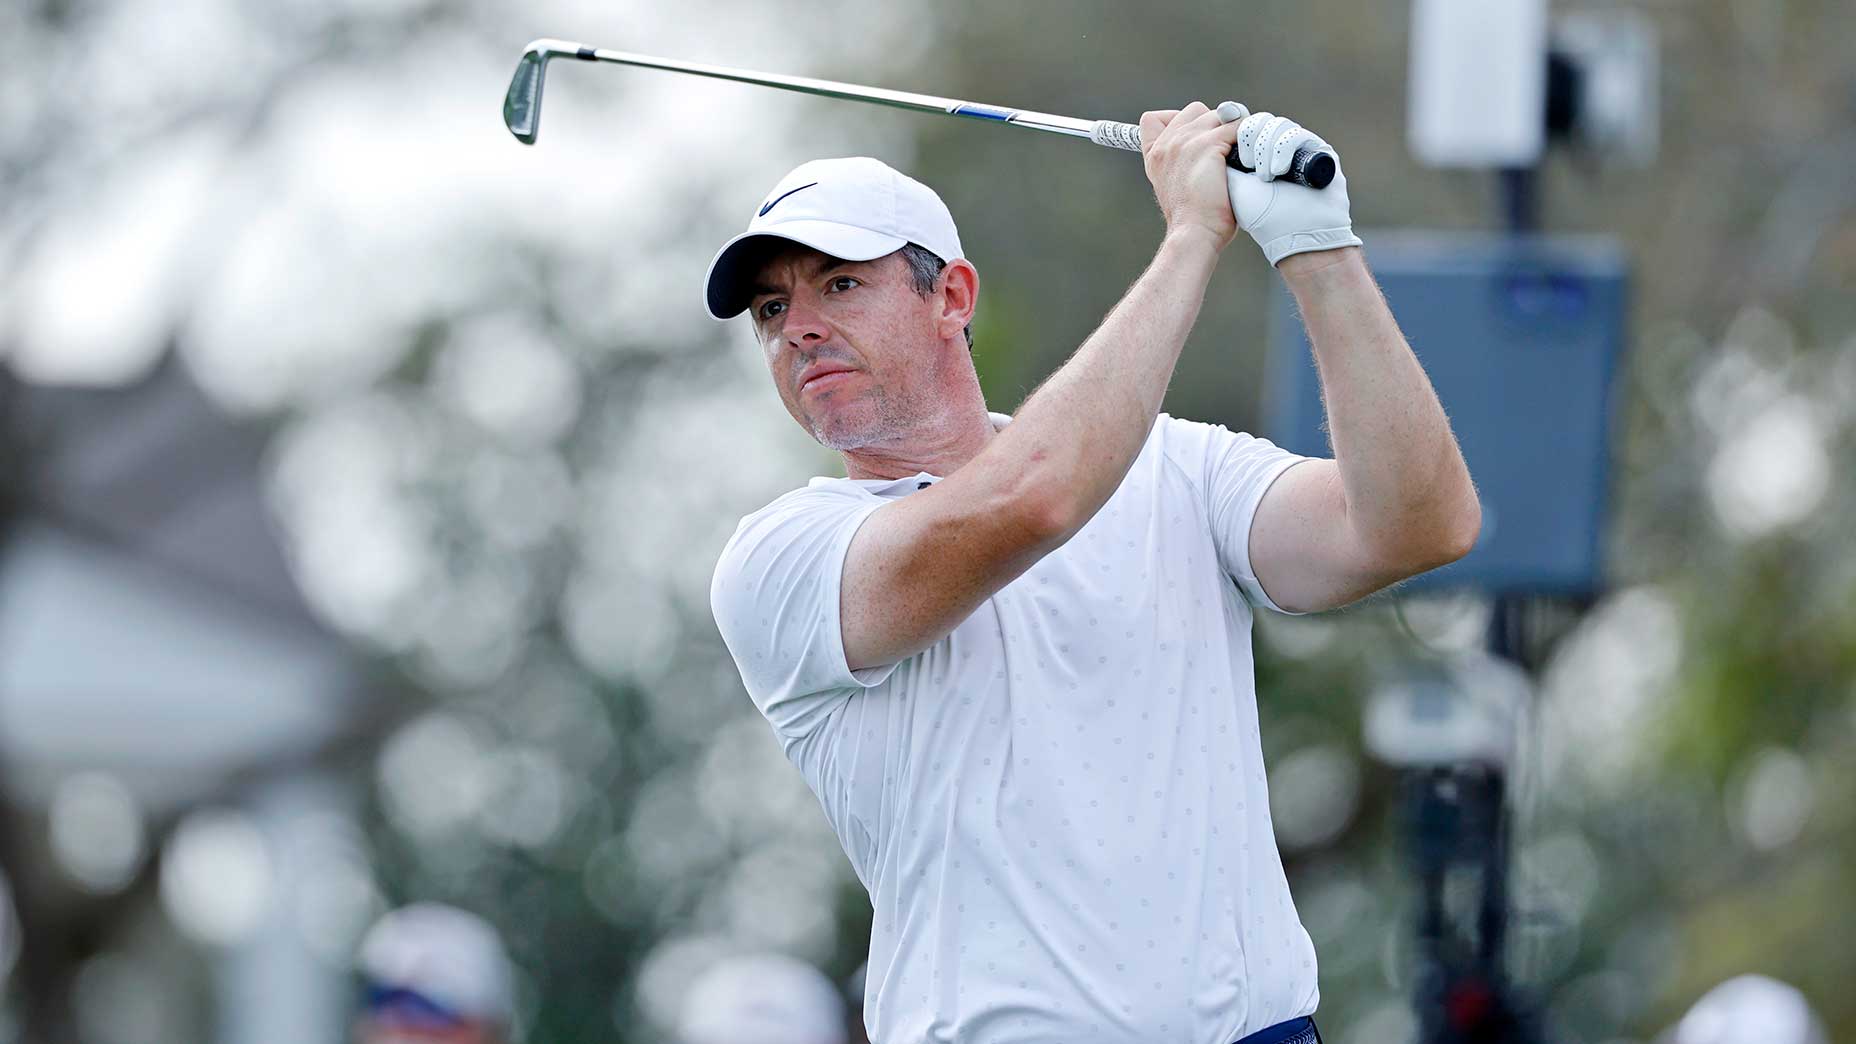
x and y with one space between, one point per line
918 567
1397 500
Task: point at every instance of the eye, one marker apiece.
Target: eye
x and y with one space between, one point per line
844 279
764 312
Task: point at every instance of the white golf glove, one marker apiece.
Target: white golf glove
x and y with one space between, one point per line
1283 217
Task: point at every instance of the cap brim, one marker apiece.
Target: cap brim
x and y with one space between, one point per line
728 288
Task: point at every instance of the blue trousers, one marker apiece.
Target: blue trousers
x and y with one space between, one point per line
1295 1031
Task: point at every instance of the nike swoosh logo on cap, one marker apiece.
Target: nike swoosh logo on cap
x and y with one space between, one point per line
775 200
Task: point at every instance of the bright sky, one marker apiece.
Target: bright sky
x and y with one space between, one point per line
382 188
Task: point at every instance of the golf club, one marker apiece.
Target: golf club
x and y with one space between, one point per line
1312 167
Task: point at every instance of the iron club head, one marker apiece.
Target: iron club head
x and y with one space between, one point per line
522 105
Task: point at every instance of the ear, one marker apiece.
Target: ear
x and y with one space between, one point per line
960 288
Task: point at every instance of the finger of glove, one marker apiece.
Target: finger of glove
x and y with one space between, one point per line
1258 140
1247 132
1264 148
1282 154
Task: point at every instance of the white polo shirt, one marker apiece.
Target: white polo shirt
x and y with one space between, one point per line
1059 809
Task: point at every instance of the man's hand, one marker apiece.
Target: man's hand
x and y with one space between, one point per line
1283 217
1184 151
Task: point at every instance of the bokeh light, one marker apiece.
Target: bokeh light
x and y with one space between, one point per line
217 876
97 831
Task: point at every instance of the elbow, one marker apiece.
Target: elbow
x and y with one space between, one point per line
1448 539
1046 508
1461 533
1052 520
1459 518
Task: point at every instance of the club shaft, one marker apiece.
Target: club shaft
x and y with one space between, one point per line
1043 121
1313 165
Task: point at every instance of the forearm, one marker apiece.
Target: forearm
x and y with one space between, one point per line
1079 432
1408 491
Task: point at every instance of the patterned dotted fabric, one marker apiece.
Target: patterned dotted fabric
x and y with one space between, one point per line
1059 809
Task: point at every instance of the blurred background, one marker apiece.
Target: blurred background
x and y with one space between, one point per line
362 473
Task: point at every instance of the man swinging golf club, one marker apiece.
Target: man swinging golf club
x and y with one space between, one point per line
1011 655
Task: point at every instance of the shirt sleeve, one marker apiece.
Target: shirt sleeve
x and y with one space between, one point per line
775 600
1234 469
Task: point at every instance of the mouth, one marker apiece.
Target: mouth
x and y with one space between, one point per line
826 380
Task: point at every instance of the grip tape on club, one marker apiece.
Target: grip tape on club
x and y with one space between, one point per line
1312 167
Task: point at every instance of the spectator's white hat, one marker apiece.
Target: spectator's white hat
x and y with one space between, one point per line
1751 1008
763 998
447 956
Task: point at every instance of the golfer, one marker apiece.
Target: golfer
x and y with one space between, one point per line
1011 655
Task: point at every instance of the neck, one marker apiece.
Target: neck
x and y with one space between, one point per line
940 450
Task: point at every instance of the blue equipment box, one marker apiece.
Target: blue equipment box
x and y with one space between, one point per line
1522 338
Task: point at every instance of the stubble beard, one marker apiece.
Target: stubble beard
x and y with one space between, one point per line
884 422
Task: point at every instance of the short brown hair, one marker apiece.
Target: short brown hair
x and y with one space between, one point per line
924 268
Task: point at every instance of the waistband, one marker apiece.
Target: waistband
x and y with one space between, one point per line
1295 1031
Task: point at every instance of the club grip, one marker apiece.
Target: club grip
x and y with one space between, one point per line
1311 167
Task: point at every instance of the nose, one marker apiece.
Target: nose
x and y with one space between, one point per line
803 322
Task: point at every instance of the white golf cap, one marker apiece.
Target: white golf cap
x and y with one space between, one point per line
447 956
765 998
854 207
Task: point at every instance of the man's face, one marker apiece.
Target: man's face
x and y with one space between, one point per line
811 309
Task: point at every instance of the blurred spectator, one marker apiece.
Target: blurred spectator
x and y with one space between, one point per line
434 973
762 999
1750 1008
